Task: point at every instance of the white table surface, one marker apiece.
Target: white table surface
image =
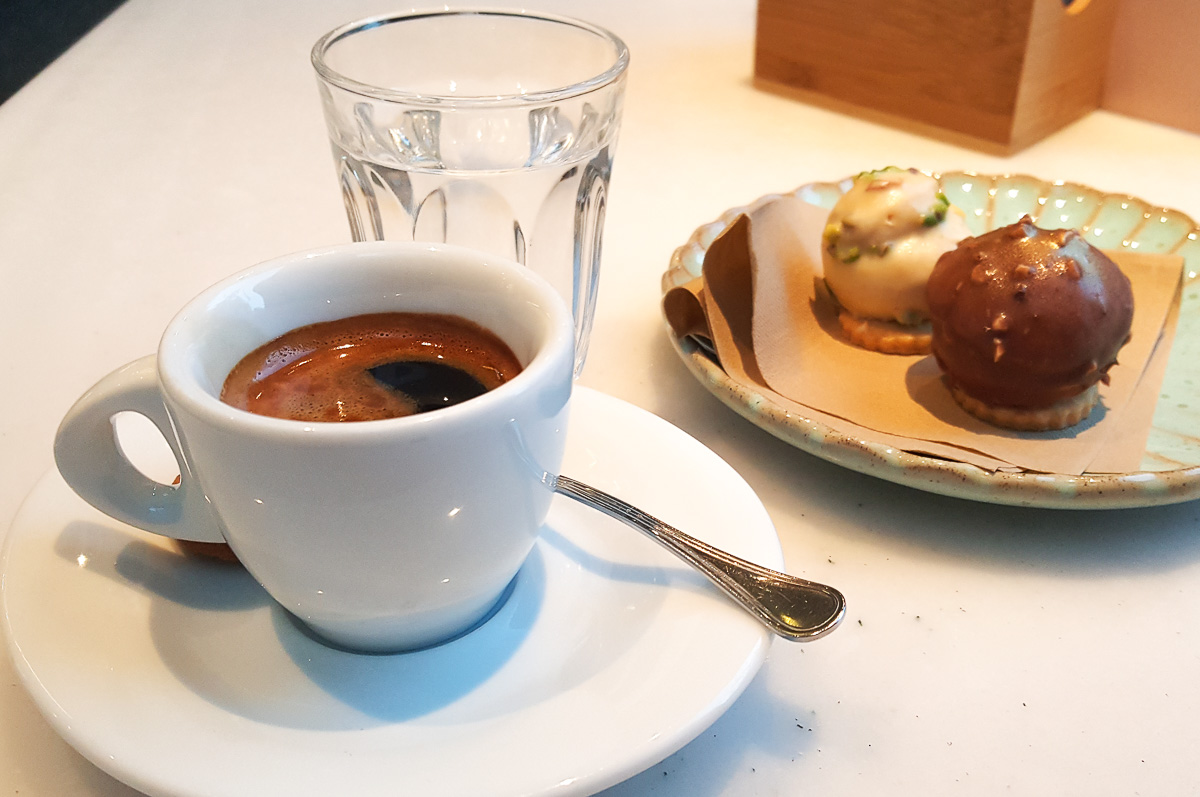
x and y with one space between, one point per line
986 650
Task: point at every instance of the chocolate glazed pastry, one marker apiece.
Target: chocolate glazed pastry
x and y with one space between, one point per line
1026 322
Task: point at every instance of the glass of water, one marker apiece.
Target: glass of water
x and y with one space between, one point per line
484 128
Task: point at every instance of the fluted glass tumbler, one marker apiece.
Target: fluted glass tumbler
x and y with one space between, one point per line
485 128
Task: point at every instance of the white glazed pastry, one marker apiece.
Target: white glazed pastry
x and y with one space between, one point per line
881 242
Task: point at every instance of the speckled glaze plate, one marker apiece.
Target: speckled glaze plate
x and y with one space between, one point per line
1170 468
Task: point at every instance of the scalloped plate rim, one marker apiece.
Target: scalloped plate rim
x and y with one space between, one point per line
944 477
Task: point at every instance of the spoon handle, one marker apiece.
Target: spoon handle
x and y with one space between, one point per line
791 607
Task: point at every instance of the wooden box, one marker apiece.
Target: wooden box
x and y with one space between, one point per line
997 75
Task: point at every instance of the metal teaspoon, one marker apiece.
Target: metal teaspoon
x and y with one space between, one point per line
791 607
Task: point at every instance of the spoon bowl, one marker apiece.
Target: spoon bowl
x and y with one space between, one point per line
792 607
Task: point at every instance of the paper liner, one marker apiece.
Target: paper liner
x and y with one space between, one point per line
757 302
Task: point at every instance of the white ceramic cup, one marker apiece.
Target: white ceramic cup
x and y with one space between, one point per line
378 535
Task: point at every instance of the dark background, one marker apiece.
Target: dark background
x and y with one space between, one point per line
35 32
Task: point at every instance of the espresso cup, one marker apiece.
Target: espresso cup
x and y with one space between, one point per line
380 535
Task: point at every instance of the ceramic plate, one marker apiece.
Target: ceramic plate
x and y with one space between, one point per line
1170 468
179 676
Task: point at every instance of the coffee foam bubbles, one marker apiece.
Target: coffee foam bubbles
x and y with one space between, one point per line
321 372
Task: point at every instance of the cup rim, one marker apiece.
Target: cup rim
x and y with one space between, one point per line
178 382
611 75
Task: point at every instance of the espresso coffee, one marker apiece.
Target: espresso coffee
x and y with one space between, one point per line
370 367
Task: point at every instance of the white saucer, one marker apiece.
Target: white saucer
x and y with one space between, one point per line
177 675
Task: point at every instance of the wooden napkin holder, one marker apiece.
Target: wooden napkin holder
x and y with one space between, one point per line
997 75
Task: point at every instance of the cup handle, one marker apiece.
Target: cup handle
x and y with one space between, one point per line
93 465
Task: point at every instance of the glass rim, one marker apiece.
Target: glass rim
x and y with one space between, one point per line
610 75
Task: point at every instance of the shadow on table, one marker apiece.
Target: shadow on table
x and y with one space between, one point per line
760 725
1079 543
1073 543
35 32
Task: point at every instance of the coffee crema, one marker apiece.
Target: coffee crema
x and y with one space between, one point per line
370 367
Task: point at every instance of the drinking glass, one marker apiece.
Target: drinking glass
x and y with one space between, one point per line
485 128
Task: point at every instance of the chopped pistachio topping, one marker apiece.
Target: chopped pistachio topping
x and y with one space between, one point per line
831 234
937 213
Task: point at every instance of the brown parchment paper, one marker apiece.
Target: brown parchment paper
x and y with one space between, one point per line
757 303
